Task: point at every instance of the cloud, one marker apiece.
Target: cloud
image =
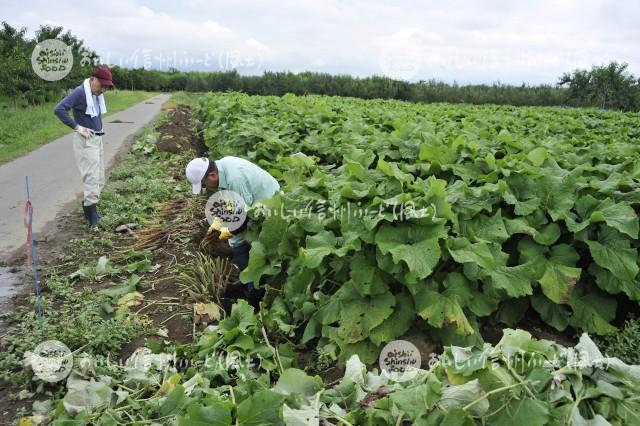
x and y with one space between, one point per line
483 41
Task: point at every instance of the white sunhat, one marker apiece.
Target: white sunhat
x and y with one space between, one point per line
195 171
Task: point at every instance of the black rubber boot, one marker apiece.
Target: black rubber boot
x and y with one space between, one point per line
253 295
92 215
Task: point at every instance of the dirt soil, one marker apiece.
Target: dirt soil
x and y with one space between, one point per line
178 134
163 305
50 247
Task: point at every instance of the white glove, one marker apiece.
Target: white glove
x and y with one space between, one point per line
83 131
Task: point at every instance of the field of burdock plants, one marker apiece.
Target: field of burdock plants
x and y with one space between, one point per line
501 241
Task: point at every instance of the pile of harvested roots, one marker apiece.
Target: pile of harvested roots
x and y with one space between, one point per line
175 222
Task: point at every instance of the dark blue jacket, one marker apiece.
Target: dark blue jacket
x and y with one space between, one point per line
77 102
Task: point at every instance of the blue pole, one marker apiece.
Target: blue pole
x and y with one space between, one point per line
33 258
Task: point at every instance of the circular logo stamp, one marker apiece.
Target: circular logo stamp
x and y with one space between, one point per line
229 207
52 59
399 358
52 361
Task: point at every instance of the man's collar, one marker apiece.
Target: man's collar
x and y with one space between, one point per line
222 177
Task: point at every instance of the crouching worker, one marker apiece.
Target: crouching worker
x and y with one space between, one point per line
248 180
87 104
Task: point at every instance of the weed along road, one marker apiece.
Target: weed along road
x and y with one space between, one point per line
54 179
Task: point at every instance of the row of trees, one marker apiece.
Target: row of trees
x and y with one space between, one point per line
279 83
19 84
610 87
606 87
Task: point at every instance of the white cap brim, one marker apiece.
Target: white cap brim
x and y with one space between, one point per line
196 188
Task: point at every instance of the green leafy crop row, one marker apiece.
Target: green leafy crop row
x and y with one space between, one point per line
395 214
234 376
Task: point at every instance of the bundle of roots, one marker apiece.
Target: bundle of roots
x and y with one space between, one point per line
175 222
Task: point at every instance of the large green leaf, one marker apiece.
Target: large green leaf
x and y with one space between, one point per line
367 279
420 257
485 228
463 251
614 285
515 281
612 252
242 317
398 323
213 414
303 416
122 289
469 294
593 312
558 280
556 190
523 411
359 315
418 400
620 216
261 408
85 395
439 309
317 247
259 264
295 381
274 230
439 154
553 314
418 248
463 395
175 402
521 192
554 268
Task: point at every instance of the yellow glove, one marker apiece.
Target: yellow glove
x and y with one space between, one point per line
225 234
216 225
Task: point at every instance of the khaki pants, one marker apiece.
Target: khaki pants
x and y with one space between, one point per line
89 155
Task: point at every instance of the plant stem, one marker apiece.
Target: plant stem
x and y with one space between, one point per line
400 416
472 403
275 351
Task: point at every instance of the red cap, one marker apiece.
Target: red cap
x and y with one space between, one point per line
103 75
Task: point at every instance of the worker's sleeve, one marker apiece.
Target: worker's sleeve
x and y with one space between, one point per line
62 109
241 189
245 193
237 240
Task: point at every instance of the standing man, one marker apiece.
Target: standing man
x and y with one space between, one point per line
248 180
87 103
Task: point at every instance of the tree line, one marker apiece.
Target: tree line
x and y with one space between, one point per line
608 87
19 84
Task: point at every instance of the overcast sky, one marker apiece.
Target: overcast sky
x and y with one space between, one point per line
469 42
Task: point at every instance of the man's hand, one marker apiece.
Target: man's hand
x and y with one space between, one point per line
225 234
216 225
83 131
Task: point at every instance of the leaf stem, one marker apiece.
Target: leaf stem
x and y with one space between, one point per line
494 391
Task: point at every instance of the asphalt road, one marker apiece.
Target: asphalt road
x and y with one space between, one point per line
54 179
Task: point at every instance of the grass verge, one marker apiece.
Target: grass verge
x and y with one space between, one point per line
625 344
99 299
26 129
